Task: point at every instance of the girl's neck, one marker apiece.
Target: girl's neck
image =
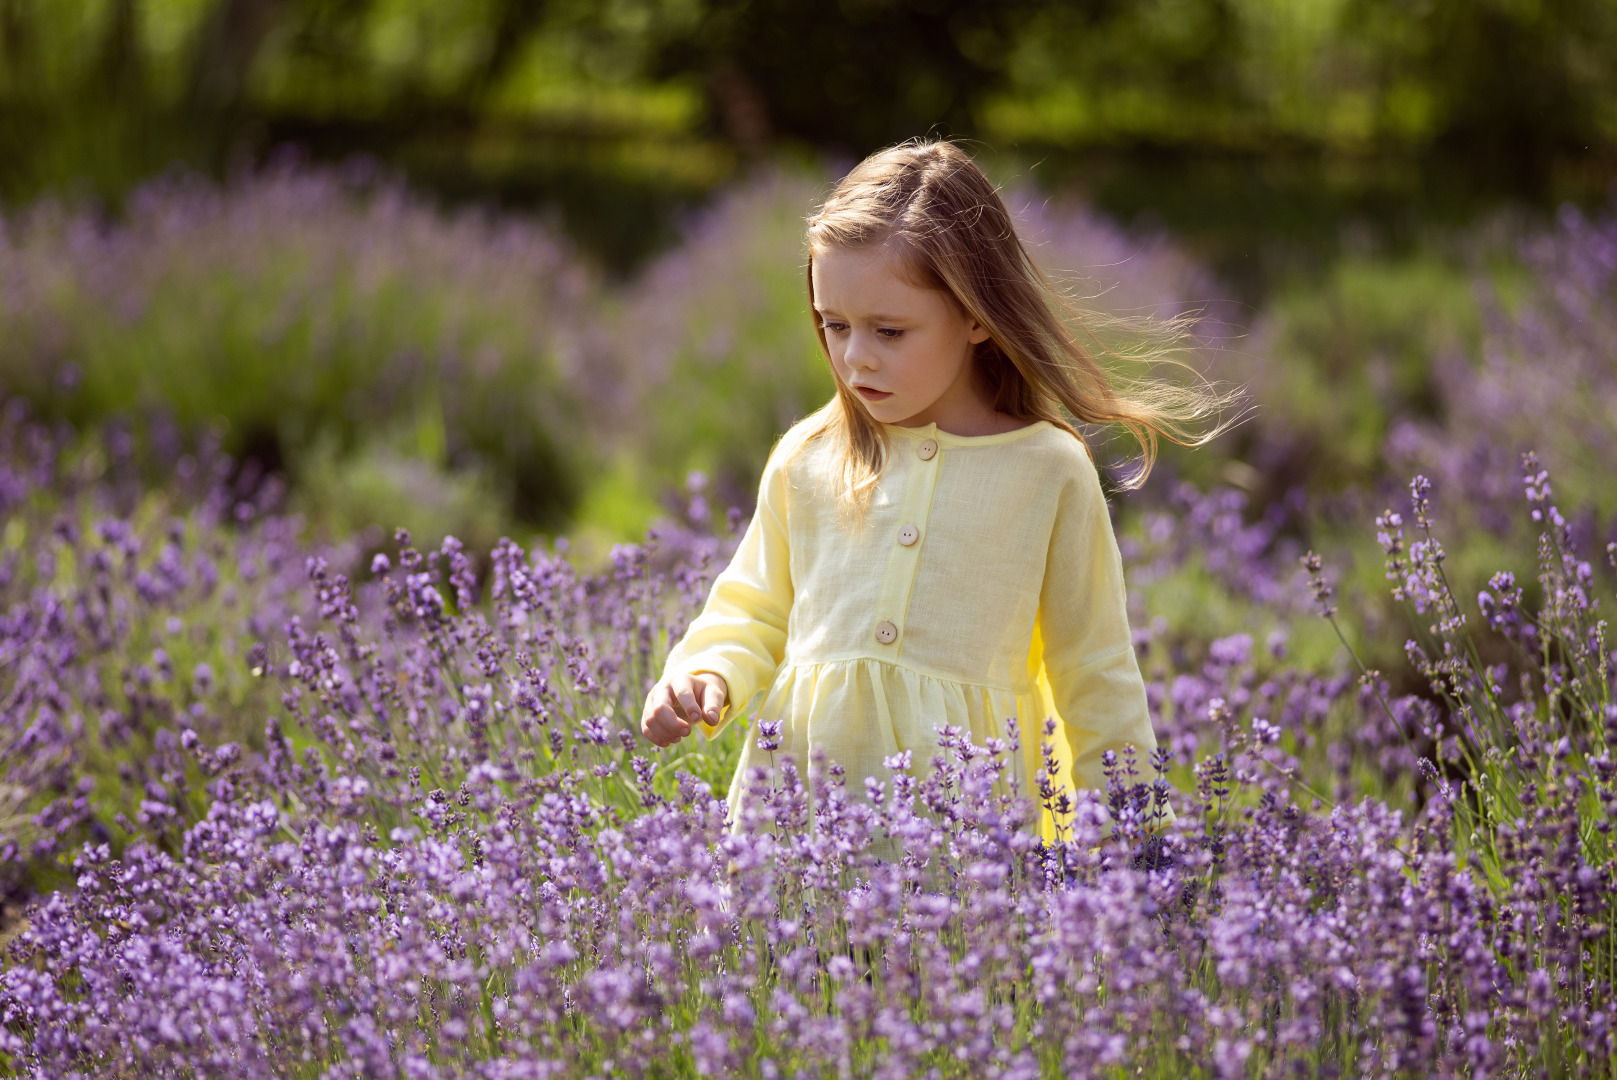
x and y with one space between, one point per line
986 423
967 410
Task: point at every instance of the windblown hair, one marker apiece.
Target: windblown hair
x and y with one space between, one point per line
932 202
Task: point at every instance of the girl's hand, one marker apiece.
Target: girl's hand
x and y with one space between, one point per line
676 703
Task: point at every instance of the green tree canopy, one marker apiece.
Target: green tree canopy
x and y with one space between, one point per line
622 105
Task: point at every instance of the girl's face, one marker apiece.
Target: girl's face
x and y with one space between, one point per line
906 351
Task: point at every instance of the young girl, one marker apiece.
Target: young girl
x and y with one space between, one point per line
932 546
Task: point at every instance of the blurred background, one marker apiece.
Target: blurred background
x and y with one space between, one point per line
522 267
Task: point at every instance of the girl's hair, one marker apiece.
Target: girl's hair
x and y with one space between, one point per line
953 230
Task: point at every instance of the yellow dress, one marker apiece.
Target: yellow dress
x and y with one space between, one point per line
984 583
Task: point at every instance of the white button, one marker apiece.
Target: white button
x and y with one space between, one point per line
908 535
927 449
886 632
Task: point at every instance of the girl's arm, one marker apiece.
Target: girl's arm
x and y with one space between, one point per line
1088 652
740 635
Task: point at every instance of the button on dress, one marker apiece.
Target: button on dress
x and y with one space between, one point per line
984 583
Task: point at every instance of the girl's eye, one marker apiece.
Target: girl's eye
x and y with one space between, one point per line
833 327
890 333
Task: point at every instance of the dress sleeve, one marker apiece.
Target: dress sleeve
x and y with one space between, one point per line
1088 653
741 633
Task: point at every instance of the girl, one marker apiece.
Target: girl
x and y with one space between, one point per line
932 546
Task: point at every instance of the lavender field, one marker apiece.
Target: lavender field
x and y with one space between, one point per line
286 794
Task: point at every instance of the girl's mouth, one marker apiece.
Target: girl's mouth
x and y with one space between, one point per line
872 395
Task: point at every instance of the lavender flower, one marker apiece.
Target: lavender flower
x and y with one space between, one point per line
273 815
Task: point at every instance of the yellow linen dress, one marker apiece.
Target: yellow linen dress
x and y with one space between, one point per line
984 583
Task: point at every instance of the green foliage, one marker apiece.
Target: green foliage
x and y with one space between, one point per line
724 341
351 495
1357 77
658 101
1342 358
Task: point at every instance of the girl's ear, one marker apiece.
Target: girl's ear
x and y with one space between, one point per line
977 333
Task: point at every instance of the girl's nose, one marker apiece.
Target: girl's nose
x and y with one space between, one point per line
858 353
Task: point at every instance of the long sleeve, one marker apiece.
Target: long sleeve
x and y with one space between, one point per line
741 633
1083 632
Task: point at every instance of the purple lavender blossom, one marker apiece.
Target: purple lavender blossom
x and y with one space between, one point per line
270 814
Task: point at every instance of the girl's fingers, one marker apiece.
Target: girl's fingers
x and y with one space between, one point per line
686 696
672 709
664 728
648 715
661 722
713 695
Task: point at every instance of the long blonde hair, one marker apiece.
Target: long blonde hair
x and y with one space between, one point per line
949 221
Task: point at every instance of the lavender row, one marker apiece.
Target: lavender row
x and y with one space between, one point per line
395 357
